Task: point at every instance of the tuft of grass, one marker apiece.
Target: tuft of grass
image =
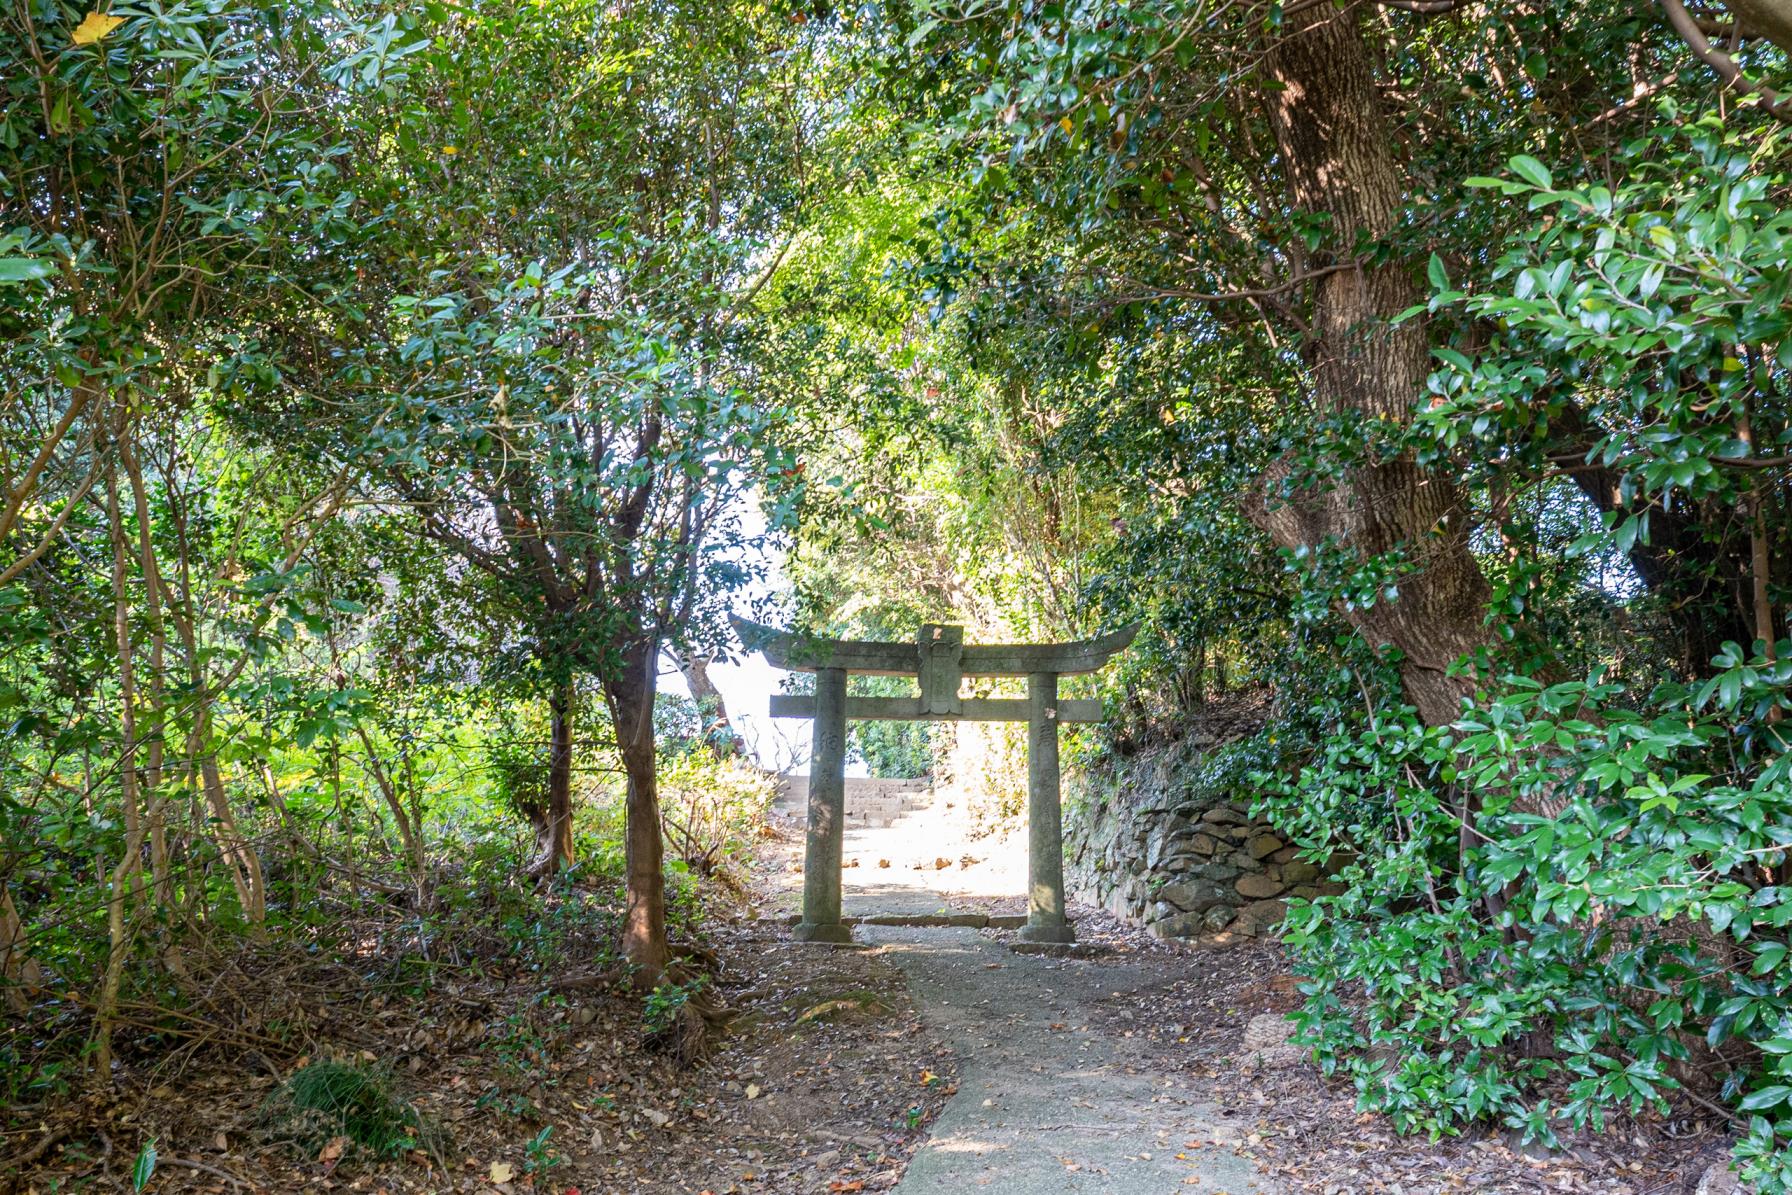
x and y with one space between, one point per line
326 1100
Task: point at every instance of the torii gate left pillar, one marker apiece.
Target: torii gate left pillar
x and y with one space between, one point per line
827 813
939 660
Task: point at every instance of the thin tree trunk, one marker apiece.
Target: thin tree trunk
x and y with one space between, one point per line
1760 565
1691 560
712 711
278 801
125 878
19 973
161 877
644 920
553 825
129 778
409 834
1337 154
238 855
1763 575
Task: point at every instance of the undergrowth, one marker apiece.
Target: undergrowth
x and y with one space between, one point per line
328 1100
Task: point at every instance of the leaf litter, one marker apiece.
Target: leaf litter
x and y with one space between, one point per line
512 1081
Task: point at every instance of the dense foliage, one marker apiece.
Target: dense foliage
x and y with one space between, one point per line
371 424
389 395
1423 369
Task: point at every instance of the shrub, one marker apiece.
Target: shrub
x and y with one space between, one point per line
1561 906
711 808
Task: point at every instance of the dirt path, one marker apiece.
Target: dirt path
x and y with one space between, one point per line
1051 1098
1048 1100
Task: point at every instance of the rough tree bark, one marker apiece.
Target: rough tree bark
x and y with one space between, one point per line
1337 153
1770 18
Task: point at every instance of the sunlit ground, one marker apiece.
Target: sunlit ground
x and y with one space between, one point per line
921 861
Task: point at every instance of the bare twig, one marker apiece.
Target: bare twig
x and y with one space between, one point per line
204 1168
44 1144
1260 292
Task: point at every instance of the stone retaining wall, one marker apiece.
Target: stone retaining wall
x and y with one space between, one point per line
1154 842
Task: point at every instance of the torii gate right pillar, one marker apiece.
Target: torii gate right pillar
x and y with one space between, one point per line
1045 826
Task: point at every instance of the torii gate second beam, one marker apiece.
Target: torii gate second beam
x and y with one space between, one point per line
940 660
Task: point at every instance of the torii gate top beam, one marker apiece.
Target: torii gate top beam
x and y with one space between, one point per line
810 653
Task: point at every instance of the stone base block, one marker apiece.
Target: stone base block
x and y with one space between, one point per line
1062 933
833 935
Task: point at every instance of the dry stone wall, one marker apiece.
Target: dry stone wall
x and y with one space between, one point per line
1161 839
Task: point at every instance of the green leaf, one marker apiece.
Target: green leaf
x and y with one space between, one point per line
144 1168
1766 1097
922 32
24 269
1531 171
1440 277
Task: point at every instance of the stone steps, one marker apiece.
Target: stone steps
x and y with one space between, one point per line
870 803
930 920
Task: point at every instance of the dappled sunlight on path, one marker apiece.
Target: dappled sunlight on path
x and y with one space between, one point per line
1050 1101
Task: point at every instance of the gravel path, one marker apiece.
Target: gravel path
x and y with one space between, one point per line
1125 1071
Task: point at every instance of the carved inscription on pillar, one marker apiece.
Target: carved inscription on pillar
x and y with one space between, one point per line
941 669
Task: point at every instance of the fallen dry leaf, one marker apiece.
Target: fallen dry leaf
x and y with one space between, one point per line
501 1172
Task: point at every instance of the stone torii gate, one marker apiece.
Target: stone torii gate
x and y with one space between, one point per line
939 660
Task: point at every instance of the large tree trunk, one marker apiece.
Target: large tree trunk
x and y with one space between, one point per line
553 825
1337 152
644 921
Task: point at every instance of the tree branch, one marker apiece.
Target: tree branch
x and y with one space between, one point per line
1687 26
1292 282
1428 8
